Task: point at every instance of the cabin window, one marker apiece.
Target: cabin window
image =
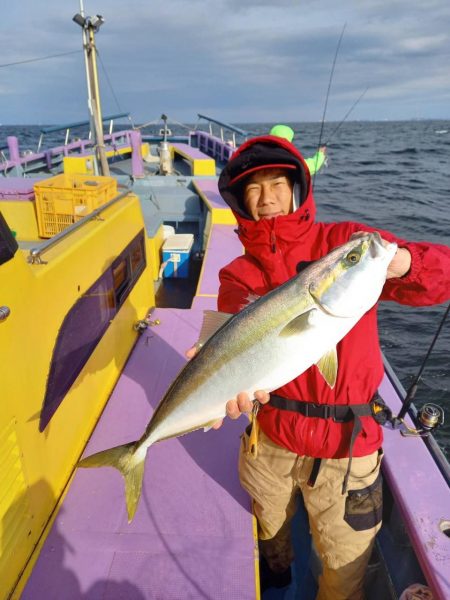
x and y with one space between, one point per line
127 268
87 322
120 278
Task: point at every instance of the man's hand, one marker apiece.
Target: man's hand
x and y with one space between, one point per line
242 404
400 264
191 352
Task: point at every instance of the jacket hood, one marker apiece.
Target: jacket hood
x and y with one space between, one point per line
260 153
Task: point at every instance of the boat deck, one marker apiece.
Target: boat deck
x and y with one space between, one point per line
192 536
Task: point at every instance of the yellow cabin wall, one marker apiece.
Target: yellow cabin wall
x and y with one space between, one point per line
37 466
21 218
154 246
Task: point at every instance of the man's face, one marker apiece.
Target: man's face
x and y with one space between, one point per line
268 194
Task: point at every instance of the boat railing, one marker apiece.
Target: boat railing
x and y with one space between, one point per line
429 441
51 158
224 129
3 157
35 255
211 145
77 125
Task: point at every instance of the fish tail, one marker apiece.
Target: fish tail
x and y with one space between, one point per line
130 461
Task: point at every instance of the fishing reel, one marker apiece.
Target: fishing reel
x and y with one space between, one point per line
430 417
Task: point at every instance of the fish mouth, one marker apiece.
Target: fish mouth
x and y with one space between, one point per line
376 245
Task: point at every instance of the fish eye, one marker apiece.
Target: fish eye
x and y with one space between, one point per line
353 257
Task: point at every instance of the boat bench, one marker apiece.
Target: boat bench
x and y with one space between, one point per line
17 188
222 247
201 164
208 190
223 244
192 535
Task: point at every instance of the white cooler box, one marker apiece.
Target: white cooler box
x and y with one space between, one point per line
176 251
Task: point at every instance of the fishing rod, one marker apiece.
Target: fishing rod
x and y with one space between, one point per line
430 416
328 92
346 116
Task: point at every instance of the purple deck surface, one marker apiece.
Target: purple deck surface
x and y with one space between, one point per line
205 303
192 534
17 188
190 151
208 187
422 496
223 247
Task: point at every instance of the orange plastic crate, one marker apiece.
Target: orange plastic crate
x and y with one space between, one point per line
65 199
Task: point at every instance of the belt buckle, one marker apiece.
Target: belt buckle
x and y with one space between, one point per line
320 410
343 419
327 411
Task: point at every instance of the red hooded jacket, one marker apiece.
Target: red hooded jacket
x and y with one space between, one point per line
273 250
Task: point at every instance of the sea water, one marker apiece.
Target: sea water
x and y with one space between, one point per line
393 176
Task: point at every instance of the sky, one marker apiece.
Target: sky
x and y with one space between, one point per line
240 61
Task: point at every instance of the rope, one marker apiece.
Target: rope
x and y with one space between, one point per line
30 60
110 85
169 120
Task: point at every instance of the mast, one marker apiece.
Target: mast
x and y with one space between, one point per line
89 27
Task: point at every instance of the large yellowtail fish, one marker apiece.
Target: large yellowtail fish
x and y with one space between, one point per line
267 344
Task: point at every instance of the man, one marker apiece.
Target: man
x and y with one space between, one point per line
305 444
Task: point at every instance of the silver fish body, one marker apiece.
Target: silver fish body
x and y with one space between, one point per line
266 345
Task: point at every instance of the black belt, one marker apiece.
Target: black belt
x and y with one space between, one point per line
336 412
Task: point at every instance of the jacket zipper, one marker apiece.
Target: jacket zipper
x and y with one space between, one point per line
273 242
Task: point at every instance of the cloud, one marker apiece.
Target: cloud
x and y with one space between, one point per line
243 61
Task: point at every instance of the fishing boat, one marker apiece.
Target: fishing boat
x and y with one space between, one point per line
110 248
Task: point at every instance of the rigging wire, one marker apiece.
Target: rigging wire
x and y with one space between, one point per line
30 60
328 92
154 122
169 120
180 124
111 87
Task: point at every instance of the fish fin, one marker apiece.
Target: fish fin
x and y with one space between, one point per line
210 425
249 300
252 298
212 322
130 463
328 367
299 324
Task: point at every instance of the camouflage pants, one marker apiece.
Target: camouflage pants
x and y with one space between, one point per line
343 527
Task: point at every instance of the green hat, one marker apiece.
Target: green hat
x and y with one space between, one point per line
283 131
